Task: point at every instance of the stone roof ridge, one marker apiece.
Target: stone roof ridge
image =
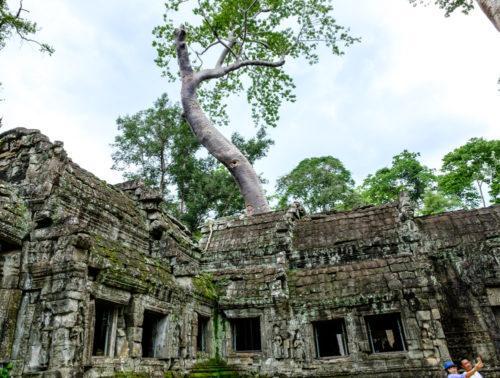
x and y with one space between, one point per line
350 213
18 131
240 220
57 147
138 189
459 211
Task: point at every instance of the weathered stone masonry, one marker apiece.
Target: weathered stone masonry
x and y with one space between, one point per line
98 280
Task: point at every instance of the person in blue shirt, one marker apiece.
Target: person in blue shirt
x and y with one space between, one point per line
452 371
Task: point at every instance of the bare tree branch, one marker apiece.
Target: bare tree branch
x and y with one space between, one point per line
221 71
20 9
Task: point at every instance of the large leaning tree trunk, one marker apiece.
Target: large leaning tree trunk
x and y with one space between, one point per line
219 146
492 10
251 39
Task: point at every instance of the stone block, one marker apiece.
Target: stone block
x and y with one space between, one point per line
423 316
63 306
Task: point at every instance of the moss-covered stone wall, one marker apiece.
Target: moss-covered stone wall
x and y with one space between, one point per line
73 248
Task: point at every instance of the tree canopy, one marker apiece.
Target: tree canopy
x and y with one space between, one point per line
14 22
491 8
157 146
319 184
405 174
470 169
144 147
251 40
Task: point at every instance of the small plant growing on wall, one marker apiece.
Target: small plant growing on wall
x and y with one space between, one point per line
4 373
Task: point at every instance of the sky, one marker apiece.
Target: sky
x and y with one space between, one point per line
417 81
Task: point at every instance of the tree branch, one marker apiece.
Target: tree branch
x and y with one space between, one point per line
208 47
297 40
245 29
214 32
182 54
221 71
225 52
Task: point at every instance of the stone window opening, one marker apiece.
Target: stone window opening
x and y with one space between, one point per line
154 335
385 333
246 334
330 338
202 334
496 313
105 329
6 247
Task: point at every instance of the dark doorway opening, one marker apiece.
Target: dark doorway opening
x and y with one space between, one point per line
201 337
246 334
150 334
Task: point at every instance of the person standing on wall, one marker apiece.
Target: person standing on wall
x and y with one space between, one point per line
467 366
452 371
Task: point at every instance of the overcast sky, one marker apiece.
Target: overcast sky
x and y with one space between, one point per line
417 81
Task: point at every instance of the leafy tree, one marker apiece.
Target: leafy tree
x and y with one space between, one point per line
491 8
469 169
435 202
142 149
13 22
157 146
405 174
253 37
319 184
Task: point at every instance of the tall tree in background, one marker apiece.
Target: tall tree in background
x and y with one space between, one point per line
469 169
435 201
254 38
157 146
405 174
143 147
491 8
14 22
319 184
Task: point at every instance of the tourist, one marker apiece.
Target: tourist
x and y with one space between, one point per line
466 364
452 371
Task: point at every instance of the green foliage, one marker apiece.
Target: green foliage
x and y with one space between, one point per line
319 184
13 22
257 32
157 146
449 5
405 174
471 167
143 147
4 373
435 202
211 190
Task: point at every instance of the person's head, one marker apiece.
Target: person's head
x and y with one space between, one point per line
466 364
450 367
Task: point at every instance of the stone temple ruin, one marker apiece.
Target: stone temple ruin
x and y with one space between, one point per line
97 280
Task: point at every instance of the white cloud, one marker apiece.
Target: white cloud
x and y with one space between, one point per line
417 80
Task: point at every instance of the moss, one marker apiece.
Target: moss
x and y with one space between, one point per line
131 375
214 367
205 286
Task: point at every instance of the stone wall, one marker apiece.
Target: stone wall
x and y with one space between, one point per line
98 280
71 243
